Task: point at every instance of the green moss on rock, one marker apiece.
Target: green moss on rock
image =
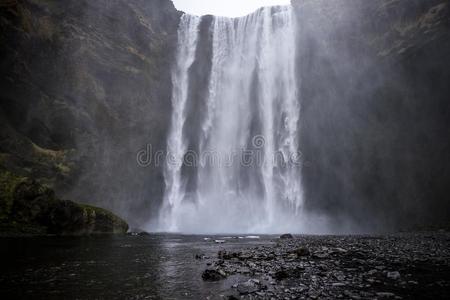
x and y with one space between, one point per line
28 207
105 220
8 184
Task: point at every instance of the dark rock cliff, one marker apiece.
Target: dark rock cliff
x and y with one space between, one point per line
375 82
84 86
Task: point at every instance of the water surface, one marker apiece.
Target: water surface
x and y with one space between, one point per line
112 267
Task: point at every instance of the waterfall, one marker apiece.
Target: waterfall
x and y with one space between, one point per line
244 175
176 145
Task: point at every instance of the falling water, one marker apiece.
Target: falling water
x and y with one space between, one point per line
176 145
251 110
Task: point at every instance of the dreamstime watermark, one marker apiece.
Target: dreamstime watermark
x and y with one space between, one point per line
256 156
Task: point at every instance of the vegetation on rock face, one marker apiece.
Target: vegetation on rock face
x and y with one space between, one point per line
28 207
8 184
84 86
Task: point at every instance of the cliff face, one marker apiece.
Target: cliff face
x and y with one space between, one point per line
375 110
84 86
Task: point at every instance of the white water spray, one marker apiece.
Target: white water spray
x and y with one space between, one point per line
252 105
176 145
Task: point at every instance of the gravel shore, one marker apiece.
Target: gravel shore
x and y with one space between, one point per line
402 266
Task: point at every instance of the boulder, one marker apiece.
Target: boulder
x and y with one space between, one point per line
286 236
248 287
144 233
29 207
228 255
302 251
212 275
280 275
200 256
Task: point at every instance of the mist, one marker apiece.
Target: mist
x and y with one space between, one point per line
372 128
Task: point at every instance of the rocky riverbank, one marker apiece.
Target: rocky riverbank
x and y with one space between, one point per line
402 266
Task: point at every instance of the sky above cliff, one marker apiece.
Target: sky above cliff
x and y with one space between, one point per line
229 8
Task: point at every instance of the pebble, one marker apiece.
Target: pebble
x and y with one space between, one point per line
393 275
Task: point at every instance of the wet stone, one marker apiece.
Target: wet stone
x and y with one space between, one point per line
386 295
282 274
213 275
286 236
302 251
248 287
393 275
